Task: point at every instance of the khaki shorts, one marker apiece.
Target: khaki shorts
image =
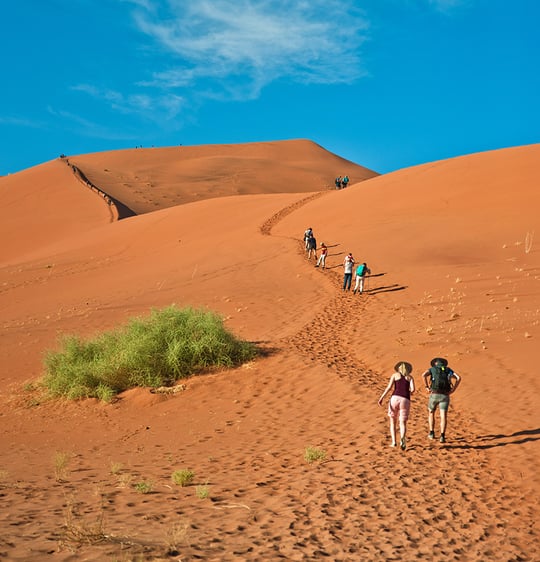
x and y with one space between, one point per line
441 400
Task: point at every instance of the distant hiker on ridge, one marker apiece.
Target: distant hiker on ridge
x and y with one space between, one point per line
345 181
337 181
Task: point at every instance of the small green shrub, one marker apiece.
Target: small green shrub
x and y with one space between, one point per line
202 491
313 454
183 477
156 351
143 487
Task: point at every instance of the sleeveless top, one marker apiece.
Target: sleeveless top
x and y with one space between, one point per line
402 388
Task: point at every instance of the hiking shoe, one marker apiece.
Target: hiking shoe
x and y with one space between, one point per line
431 435
403 443
354 291
442 438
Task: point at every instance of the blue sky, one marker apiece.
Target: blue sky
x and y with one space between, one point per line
385 83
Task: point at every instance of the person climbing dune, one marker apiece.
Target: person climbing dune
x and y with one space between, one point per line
440 381
401 384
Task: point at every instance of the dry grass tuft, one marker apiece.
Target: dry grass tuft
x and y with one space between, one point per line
177 536
79 529
529 241
116 467
61 462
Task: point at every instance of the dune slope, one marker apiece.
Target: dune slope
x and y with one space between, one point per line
43 205
157 178
455 272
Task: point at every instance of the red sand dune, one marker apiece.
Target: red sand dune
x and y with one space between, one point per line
157 178
455 272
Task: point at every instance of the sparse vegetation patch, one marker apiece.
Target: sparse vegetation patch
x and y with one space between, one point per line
313 454
183 477
202 491
144 487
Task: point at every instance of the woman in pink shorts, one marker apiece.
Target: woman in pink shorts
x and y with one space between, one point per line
402 385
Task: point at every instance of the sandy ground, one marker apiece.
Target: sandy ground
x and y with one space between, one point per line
455 272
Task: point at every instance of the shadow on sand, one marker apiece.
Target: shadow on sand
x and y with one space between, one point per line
498 440
385 289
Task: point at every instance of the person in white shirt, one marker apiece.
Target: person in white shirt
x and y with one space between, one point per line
348 264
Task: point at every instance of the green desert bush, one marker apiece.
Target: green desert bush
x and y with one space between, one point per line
202 491
183 477
144 487
313 454
170 344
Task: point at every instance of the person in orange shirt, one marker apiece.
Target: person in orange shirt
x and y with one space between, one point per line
322 257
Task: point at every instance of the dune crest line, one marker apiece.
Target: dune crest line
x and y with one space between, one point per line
117 209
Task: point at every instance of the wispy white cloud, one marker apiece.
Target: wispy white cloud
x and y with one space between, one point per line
146 4
150 107
232 49
20 122
447 6
87 127
239 46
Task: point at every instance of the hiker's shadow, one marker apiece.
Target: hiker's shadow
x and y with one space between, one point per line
384 289
498 440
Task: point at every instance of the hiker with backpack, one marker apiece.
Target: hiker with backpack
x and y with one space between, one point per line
361 271
440 381
402 386
311 247
307 234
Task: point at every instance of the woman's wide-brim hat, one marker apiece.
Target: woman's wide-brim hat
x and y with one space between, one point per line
439 362
408 367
